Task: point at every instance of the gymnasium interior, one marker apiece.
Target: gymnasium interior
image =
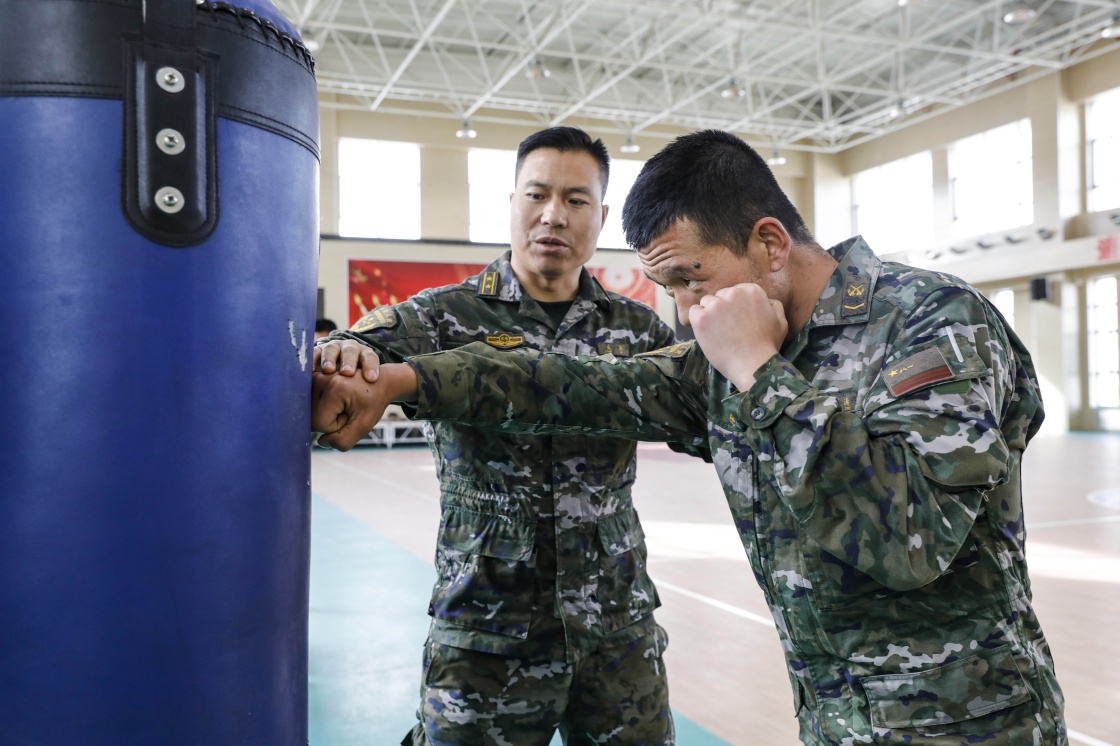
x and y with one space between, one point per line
977 138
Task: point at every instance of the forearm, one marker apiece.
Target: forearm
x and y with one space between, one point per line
400 382
527 391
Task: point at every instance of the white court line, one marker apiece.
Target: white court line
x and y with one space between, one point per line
716 603
1074 522
1074 735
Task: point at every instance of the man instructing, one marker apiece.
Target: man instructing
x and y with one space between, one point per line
867 420
542 612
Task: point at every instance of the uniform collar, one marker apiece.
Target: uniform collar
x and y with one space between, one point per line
848 296
499 282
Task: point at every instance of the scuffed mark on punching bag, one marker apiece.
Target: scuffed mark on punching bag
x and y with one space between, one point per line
301 348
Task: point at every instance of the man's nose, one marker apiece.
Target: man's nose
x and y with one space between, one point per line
555 213
683 304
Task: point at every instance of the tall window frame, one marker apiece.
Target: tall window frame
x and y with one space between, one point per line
991 180
370 204
490 181
1004 300
1102 151
624 172
892 204
1103 341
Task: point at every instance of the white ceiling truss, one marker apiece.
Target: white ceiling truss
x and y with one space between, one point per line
816 75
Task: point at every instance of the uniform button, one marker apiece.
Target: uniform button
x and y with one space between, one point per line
758 413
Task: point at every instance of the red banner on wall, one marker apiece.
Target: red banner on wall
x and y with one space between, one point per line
382 282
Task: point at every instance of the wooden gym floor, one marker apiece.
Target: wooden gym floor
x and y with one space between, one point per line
374 521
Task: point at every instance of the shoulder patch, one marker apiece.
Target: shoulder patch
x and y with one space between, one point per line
921 369
505 341
488 283
677 350
621 349
382 317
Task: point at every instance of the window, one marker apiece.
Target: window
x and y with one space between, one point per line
491 179
623 175
992 180
1104 343
379 189
1004 301
892 204
1102 132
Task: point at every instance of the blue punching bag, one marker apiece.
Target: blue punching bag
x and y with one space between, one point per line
158 254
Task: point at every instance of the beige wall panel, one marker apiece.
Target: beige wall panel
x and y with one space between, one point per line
1083 81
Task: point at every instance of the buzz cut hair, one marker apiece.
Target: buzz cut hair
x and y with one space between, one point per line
715 180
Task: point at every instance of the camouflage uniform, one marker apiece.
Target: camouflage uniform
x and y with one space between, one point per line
873 471
541 560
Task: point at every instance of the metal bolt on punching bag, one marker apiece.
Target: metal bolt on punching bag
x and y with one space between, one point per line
158 253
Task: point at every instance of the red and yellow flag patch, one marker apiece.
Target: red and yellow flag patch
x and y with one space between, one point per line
917 371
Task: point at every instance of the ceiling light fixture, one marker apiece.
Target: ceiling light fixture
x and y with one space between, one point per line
630 146
536 69
776 158
312 45
732 89
1112 31
1019 16
466 132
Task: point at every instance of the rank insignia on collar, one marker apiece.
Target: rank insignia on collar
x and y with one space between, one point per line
505 341
854 302
917 371
488 284
382 317
621 349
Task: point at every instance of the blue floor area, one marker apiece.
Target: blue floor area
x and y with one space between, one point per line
368 622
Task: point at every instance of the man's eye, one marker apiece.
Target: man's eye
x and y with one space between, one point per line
691 284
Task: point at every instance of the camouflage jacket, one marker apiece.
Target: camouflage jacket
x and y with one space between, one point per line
540 552
873 472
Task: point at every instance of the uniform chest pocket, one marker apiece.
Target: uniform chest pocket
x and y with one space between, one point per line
484 571
625 593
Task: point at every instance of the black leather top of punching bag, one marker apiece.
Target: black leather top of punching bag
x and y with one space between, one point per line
81 55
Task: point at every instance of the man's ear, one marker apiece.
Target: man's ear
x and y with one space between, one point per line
606 209
773 235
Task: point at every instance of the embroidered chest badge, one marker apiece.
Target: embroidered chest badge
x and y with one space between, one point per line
621 349
505 341
677 350
382 317
921 369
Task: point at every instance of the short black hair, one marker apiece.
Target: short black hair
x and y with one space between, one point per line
325 325
566 139
715 180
